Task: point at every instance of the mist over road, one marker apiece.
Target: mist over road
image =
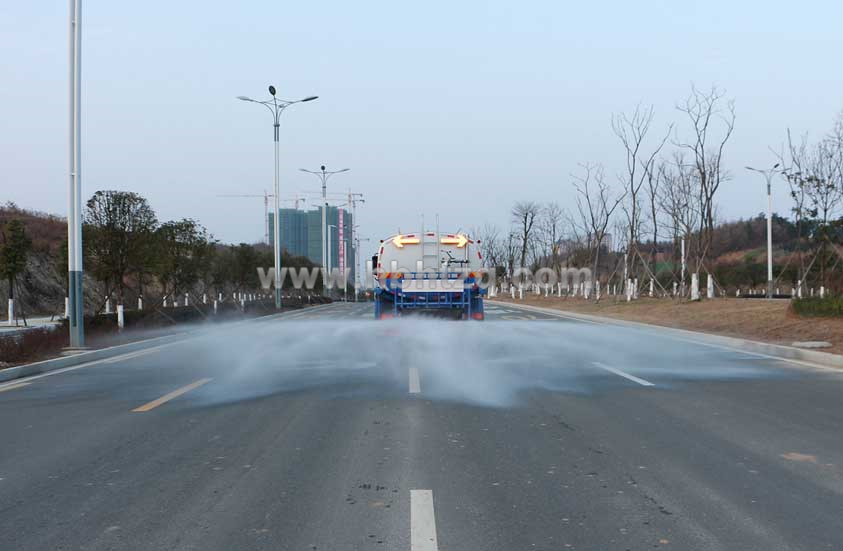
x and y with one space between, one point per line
322 429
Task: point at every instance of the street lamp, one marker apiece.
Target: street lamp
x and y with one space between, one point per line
768 176
76 306
357 241
323 174
328 270
276 106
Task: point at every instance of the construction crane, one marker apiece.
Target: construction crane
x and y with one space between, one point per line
298 198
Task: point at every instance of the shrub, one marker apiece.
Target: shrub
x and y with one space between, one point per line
818 307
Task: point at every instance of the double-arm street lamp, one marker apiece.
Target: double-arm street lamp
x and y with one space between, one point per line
324 175
276 106
768 176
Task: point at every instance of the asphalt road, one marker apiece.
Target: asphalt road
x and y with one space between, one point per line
325 430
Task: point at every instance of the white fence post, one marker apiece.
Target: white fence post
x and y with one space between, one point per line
140 303
822 291
107 305
695 286
186 299
709 286
215 307
66 307
651 288
121 322
11 311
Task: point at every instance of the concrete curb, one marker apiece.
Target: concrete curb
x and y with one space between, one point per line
44 366
53 364
778 351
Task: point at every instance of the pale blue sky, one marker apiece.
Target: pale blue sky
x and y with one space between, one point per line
459 108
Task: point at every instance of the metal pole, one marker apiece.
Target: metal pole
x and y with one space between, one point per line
769 239
74 215
329 249
277 226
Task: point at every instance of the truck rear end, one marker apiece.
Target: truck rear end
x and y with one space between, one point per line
429 274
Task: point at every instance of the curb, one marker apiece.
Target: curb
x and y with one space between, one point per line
53 364
44 366
776 351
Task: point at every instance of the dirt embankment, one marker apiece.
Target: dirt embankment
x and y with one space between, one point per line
757 319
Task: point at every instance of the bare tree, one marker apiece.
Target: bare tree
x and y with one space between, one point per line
679 199
491 246
595 204
824 189
524 215
655 175
632 131
794 161
712 119
550 231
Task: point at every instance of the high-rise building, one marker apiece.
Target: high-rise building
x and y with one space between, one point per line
301 234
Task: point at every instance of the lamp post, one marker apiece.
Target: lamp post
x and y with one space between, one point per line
76 320
357 242
323 174
768 176
276 106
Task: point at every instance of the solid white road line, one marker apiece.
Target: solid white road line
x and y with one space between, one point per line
633 378
132 355
415 385
422 521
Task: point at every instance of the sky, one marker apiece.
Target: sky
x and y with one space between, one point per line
455 109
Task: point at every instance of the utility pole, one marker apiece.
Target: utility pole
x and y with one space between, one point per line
323 174
353 199
768 176
76 304
276 106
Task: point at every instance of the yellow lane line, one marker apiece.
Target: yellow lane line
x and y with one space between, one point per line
167 397
12 387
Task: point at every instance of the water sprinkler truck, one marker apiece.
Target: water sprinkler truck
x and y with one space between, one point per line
429 273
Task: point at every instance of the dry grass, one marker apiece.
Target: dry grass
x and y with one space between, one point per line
757 319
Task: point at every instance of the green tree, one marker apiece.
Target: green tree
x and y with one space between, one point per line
14 249
184 252
118 235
